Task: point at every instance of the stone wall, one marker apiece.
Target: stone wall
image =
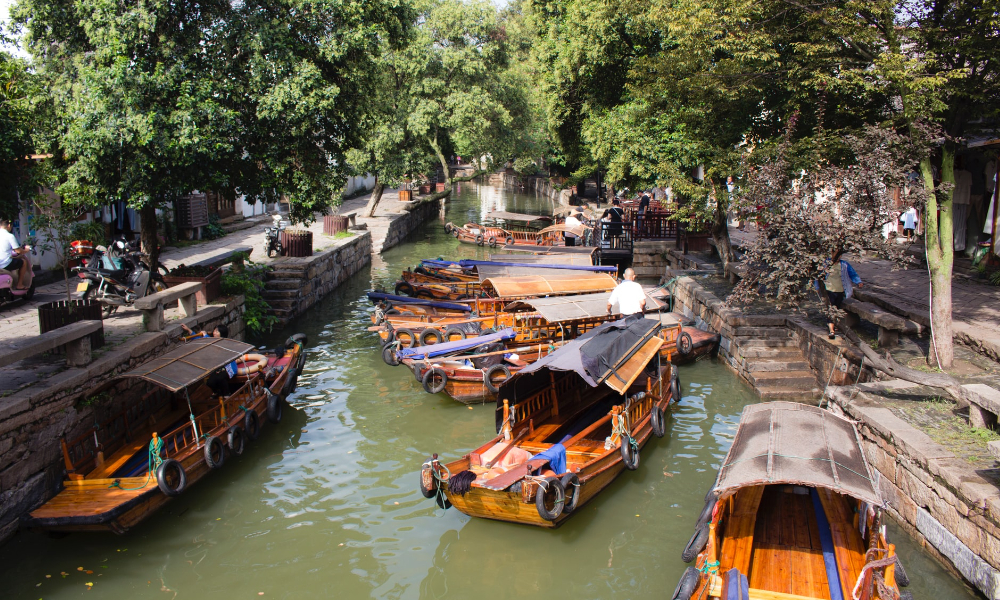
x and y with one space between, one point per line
34 420
407 222
295 284
939 498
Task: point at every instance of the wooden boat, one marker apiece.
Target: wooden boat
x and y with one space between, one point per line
170 432
567 426
691 343
794 514
493 236
481 235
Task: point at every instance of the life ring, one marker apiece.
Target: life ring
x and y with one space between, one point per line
488 377
405 337
236 440
510 240
571 489
492 241
404 289
453 331
657 420
630 456
675 388
479 240
687 584
171 486
684 344
250 369
428 380
426 483
428 334
389 355
274 408
299 339
251 425
697 543
550 484
215 452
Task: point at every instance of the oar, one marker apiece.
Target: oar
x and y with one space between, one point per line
504 452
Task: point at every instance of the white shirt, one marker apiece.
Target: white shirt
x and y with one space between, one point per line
572 221
629 296
8 243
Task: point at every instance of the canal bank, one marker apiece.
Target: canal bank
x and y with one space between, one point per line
330 497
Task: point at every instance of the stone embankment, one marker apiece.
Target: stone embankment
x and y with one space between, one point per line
35 419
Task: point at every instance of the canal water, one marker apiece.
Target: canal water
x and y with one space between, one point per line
326 503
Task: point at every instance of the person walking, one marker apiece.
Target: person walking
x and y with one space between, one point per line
909 220
839 284
11 252
628 295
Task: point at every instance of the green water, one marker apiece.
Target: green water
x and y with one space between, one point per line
326 503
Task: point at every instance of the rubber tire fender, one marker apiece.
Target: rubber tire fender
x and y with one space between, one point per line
274 407
706 512
414 340
658 421
697 543
389 355
161 478
675 388
902 579
214 445
236 440
298 338
251 425
426 481
479 240
289 385
454 331
687 585
509 241
630 460
684 344
560 501
571 481
443 502
403 288
488 377
492 241
429 333
428 378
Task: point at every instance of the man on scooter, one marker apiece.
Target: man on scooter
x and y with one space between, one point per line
11 253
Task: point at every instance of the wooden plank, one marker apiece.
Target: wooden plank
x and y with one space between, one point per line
757 594
737 543
848 546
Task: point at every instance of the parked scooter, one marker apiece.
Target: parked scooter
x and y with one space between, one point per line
116 281
9 283
273 237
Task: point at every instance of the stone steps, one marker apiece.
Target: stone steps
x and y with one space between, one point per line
771 333
283 284
766 352
755 342
782 378
773 364
777 365
788 393
281 294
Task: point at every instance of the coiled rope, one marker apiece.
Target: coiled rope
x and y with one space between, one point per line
155 449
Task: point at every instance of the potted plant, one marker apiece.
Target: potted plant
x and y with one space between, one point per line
209 277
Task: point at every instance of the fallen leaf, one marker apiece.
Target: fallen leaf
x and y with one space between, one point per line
79 568
48 577
89 572
396 503
38 585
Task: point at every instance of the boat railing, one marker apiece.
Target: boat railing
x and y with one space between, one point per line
180 440
533 407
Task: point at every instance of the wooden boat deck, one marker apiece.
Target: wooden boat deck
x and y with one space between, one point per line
96 498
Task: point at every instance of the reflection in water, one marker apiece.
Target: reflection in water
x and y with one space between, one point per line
326 503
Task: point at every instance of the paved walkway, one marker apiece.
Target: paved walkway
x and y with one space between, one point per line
975 305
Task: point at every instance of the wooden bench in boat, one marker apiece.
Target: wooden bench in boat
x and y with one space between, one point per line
152 305
889 325
75 336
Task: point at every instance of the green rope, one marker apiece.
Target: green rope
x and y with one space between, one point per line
710 568
439 495
155 449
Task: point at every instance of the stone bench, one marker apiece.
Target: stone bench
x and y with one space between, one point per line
75 336
984 408
222 258
889 325
152 305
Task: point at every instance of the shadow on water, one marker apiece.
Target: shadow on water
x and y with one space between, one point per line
326 503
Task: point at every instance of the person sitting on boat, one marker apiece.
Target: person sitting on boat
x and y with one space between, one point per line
629 296
222 331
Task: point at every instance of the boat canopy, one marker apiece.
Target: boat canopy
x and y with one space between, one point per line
375 296
435 350
510 216
190 363
797 444
553 259
554 263
614 354
541 285
576 230
569 308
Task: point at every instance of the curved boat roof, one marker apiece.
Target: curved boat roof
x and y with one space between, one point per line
576 230
797 444
539 285
570 308
511 216
190 363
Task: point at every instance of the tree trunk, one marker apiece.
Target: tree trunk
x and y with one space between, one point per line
444 161
149 237
720 232
374 200
939 250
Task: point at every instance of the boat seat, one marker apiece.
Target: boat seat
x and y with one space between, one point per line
273 361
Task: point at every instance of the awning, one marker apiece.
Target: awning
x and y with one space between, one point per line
434 350
797 444
540 285
613 354
375 296
552 264
576 230
509 216
553 259
569 308
190 363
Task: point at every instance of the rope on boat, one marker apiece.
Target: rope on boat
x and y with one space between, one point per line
619 425
155 460
710 568
439 494
836 363
878 577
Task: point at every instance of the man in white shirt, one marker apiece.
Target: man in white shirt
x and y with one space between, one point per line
11 252
572 221
628 295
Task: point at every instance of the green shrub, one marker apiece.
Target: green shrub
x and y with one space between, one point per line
247 278
214 229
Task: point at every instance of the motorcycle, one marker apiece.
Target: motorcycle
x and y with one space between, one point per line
116 281
273 237
8 283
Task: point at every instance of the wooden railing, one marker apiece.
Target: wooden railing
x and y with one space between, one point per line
654 226
613 236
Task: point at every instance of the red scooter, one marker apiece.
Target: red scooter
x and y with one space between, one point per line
8 284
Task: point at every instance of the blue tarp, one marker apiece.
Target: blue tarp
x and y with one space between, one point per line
556 455
470 264
374 296
434 350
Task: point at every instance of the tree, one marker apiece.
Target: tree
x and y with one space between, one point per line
17 170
